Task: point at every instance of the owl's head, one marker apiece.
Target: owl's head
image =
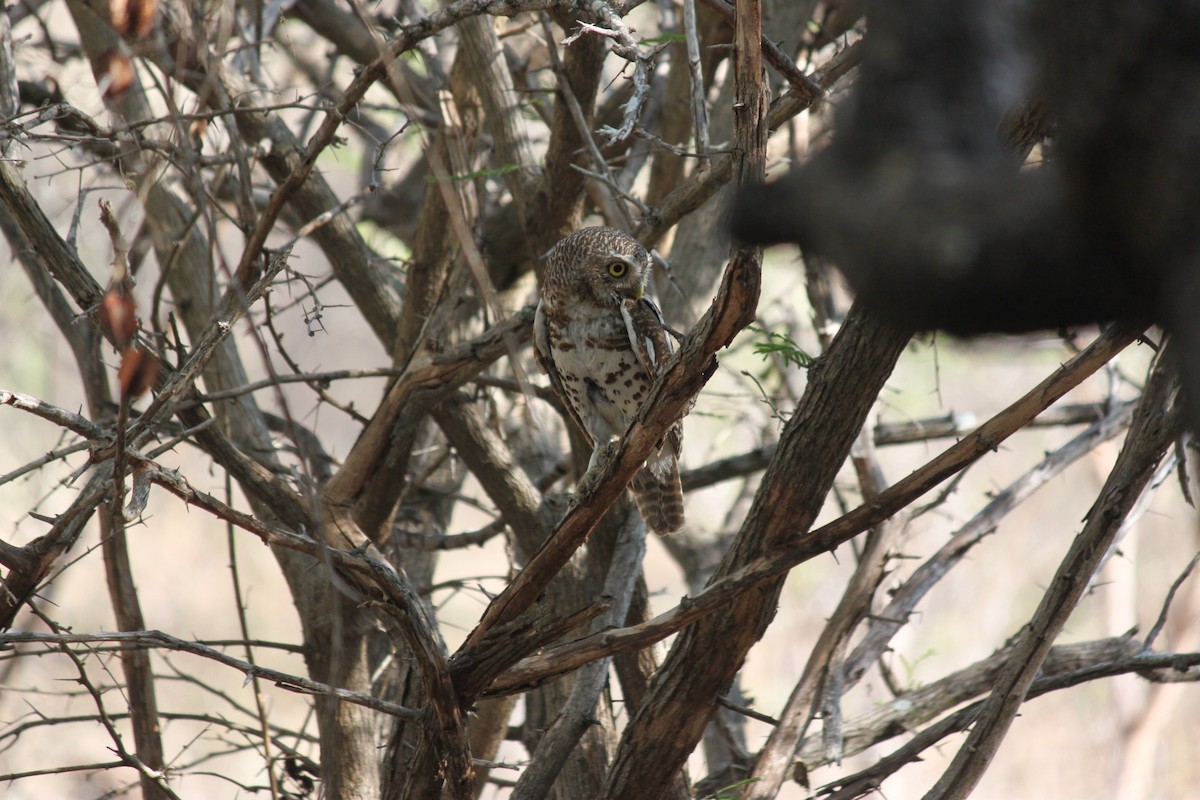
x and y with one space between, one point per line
603 265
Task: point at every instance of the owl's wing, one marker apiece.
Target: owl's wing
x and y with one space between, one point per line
545 362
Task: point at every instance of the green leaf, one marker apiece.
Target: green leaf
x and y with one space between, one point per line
782 345
731 792
479 173
666 37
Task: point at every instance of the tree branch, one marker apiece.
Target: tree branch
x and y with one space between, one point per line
292 683
1155 425
798 547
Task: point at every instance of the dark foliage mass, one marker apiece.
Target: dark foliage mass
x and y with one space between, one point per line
920 199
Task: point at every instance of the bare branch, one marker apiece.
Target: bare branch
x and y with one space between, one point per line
905 598
867 782
536 781
212 154
59 416
1161 622
292 683
1155 426
702 185
796 549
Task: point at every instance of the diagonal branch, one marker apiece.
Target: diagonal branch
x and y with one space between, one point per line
426 380
703 184
61 260
867 782
576 713
905 598
670 398
37 559
152 776
918 706
69 420
801 84
1156 424
797 549
408 37
822 671
234 305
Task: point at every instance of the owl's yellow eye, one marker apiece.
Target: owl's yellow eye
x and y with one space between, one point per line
617 268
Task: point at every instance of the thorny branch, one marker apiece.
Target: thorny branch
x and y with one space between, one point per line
217 171
292 683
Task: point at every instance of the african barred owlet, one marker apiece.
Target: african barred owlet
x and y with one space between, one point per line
603 342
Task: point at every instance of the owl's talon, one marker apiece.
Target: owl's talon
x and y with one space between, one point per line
602 456
604 452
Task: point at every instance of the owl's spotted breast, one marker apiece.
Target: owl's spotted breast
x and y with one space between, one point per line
600 372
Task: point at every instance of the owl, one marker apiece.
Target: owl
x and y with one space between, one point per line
603 342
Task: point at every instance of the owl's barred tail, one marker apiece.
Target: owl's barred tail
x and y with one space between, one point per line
660 499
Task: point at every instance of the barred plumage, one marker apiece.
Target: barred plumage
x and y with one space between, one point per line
603 342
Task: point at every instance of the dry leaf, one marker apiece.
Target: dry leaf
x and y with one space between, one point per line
139 369
118 316
134 17
800 774
196 130
114 73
